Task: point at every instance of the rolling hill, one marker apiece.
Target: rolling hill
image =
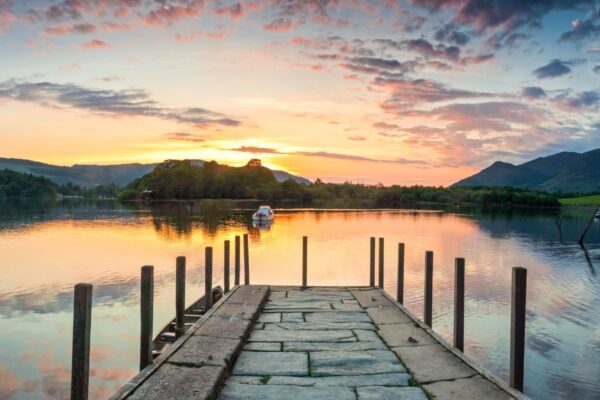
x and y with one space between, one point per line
567 172
91 175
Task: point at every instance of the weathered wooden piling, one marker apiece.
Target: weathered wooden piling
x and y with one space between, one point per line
237 261
372 263
146 315
82 323
304 260
428 301
381 267
400 288
226 272
180 296
517 327
459 303
208 260
246 261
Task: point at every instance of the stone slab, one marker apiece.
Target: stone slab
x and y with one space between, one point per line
366 336
302 336
233 391
335 316
394 379
313 295
388 315
322 326
271 363
269 317
433 363
263 346
292 317
371 298
323 346
476 387
232 328
180 382
240 311
252 294
324 363
392 393
207 350
398 335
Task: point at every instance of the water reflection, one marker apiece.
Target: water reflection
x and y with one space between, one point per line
46 250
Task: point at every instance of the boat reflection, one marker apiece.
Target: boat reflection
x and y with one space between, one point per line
263 225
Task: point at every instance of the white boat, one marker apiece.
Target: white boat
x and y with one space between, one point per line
264 213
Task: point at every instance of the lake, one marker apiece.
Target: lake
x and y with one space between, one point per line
46 249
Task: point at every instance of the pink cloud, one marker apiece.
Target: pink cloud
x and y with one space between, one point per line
169 14
234 11
96 44
280 25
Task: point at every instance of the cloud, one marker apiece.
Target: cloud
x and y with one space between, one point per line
322 154
555 68
184 137
96 44
113 103
280 25
492 14
234 11
407 92
597 69
217 34
580 101
428 50
450 34
533 92
64 29
385 125
357 138
582 30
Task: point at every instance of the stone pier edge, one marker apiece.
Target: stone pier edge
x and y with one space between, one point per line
466 359
135 382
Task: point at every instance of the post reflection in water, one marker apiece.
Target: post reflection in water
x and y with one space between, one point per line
46 250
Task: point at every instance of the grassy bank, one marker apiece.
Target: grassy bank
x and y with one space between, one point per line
581 201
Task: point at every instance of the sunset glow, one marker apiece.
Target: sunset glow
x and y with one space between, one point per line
408 92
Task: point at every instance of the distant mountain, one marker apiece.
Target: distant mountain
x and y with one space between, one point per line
91 175
566 172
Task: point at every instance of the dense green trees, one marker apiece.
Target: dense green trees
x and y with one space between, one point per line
15 184
182 180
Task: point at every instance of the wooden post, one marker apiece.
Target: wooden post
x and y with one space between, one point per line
381 262
459 304
428 302
304 260
226 272
517 327
146 315
180 296
237 261
82 323
246 261
400 294
208 256
372 264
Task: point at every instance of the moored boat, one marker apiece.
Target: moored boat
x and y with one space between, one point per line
264 213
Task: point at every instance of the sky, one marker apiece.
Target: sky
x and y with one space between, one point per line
394 92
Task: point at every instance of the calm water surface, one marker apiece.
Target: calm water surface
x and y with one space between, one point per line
44 251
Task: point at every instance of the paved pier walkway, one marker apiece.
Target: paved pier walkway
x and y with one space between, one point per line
312 343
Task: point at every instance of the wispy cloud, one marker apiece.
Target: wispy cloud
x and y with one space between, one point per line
130 102
556 68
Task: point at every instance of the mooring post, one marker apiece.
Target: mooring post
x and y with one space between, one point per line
146 315
428 302
400 293
208 255
237 261
226 266
246 261
82 323
180 296
517 327
372 264
459 303
304 260
381 262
